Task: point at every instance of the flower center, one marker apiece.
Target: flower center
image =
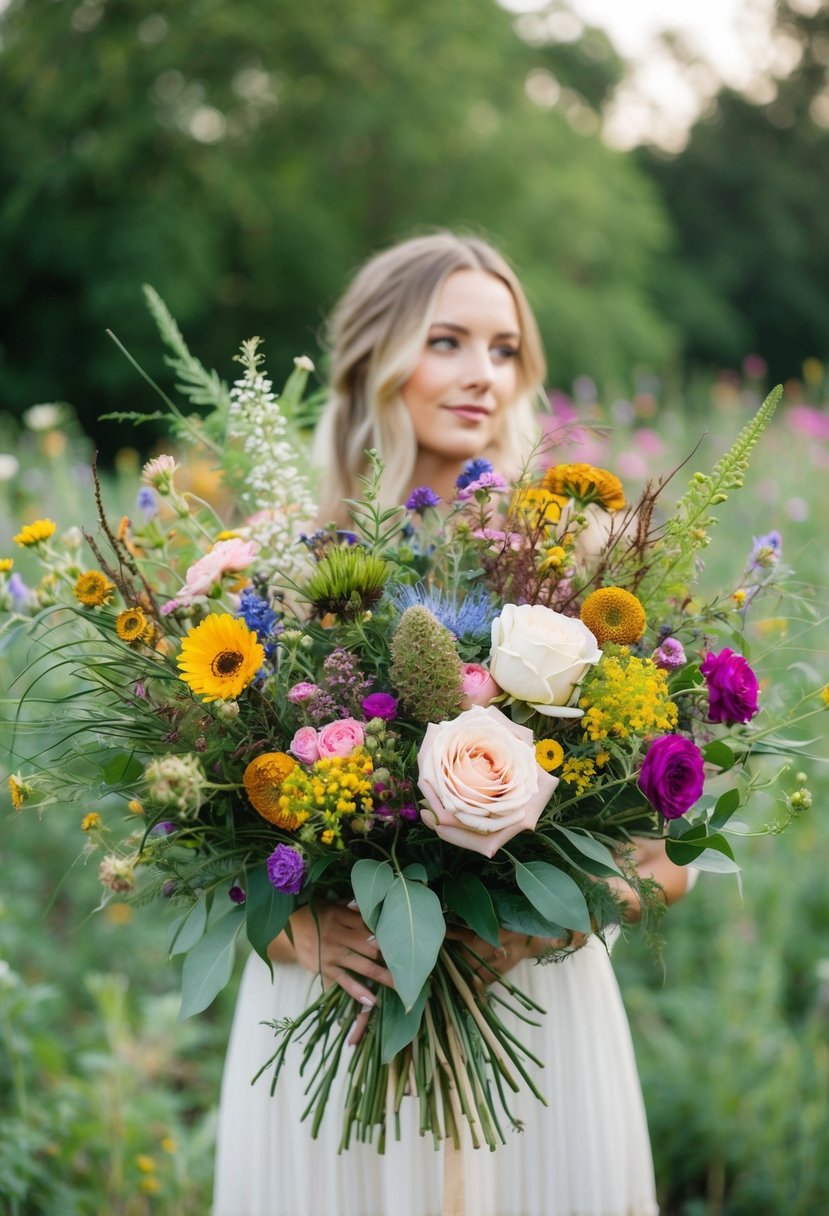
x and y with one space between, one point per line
226 663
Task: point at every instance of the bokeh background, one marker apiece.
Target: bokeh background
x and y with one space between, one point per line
661 186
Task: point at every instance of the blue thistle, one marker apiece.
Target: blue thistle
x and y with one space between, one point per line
470 617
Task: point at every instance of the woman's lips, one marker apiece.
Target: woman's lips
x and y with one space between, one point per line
473 413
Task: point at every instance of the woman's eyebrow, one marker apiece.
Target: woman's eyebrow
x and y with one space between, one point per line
461 329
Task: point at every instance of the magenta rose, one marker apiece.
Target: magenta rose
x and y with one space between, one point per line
477 685
340 738
304 745
481 781
732 687
672 775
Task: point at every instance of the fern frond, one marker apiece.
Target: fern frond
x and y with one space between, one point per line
687 532
195 382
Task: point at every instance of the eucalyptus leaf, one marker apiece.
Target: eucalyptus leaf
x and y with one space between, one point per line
209 965
186 929
594 850
719 753
410 932
727 804
370 881
121 768
266 911
398 1026
515 912
553 893
469 897
415 871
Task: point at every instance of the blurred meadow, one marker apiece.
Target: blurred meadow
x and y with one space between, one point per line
243 160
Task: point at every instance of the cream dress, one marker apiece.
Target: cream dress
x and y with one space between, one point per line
585 1154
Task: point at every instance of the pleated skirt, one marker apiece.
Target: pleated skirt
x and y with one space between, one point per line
587 1153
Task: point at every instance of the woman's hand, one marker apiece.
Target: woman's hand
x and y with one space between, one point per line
340 948
651 860
512 948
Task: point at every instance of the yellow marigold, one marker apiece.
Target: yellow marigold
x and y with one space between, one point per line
585 483
549 753
131 625
579 773
220 657
90 821
263 779
613 615
93 588
625 695
34 533
6 564
537 506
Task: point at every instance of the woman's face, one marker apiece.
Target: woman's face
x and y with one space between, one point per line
467 375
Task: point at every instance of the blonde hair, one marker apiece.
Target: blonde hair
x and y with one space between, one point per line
377 333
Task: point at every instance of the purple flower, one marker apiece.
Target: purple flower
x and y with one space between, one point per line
409 812
147 502
487 481
237 895
767 551
302 692
18 589
421 498
168 889
669 655
672 775
380 705
163 828
732 687
286 869
472 470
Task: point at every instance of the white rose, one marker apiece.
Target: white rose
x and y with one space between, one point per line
481 780
540 656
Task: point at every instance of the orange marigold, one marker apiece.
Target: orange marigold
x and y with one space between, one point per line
613 615
263 780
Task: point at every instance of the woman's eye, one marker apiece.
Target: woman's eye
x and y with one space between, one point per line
505 352
443 343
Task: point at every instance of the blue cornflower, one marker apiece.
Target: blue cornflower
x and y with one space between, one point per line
258 615
470 617
472 470
767 550
421 498
147 502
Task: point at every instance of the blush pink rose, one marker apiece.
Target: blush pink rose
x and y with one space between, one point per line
340 738
477 685
226 557
481 780
305 745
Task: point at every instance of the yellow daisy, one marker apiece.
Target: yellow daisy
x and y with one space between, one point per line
220 657
93 588
586 483
613 615
131 625
6 563
34 533
549 753
263 780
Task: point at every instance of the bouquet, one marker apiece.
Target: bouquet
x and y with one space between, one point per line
458 715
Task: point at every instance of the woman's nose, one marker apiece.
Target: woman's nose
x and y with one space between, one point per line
478 370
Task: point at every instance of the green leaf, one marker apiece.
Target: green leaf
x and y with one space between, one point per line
122 768
553 893
266 911
370 880
693 843
727 804
186 929
598 853
719 753
398 1026
515 912
468 896
415 872
318 867
410 932
209 965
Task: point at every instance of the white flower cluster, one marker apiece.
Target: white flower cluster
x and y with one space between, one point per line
277 496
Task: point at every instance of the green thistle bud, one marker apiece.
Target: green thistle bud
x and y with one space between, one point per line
800 800
425 669
347 582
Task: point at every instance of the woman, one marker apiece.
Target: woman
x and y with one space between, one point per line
437 360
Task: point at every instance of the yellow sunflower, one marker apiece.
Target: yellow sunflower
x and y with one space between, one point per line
220 657
585 483
131 625
613 615
549 753
34 533
93 588
263 779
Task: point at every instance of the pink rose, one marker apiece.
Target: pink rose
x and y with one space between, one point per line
481 780
305 745
478 686
340 738
226 556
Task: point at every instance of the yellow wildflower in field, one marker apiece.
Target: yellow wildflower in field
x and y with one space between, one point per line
625 695
6 564
35 533
579 772
131 625
93 588
336 787
91 821
20 790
